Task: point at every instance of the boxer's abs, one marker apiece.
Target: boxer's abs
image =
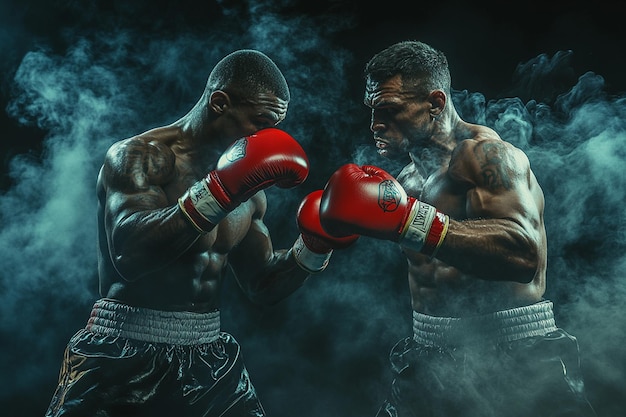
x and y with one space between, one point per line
173 289
444 291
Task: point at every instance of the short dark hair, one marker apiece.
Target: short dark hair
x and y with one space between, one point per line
416 62
247 73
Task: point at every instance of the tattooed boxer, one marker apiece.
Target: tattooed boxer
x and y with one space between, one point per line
467 212
180 207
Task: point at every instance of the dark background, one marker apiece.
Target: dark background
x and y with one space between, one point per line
75 76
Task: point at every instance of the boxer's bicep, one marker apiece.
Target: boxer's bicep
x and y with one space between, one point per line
255 250
504 187
132 176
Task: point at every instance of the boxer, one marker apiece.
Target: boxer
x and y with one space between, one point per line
467 212
180 207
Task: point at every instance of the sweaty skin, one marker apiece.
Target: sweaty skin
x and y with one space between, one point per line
494 255
159 260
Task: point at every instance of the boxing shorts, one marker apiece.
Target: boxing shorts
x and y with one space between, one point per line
132 361
514 363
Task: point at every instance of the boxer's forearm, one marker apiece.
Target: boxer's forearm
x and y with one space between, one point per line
494 249
147 241
279 278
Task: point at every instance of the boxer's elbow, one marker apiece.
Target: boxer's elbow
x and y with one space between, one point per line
525 260
128 259
127 266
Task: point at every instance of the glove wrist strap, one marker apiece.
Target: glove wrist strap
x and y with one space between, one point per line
307 259
425 229
201 208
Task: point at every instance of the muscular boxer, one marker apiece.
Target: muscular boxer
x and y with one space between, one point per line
467 212
181 206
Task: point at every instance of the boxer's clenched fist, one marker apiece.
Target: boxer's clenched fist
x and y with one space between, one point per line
252 163
314 246
368 201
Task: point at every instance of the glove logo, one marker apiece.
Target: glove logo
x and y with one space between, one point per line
237 150
388 196
198 192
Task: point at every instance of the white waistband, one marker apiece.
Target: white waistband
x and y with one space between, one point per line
501 326
172 327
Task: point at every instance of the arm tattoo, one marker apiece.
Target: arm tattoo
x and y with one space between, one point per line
491 157
139 165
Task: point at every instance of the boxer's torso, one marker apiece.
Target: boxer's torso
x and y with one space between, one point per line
440 289
193 281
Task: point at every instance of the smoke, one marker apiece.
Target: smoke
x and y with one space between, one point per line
47 235
324 350
575 138
576 142
93 88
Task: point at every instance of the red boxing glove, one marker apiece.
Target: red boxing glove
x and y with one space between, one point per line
314 246
369 201
250 164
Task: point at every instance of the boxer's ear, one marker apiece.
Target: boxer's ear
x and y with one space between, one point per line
219 101
437 100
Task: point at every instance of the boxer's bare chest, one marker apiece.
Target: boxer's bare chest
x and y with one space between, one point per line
438 190
232 228
428 276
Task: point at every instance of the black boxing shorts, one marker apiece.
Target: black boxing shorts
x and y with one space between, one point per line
137 362
514 363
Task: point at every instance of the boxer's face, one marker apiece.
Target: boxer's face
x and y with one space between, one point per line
243 117
400 116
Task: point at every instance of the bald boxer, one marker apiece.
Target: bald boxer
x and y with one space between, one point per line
180 207
467 212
